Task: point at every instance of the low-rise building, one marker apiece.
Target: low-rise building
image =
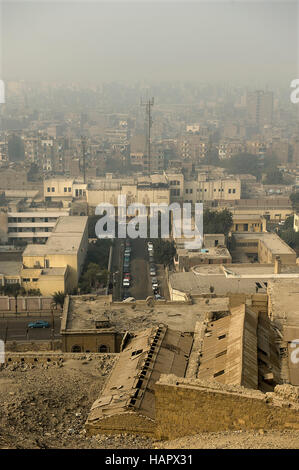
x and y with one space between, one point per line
57 265
249 223
263 247
127 402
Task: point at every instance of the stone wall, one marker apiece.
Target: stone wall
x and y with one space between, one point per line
27 346
186 407
26 304
127 421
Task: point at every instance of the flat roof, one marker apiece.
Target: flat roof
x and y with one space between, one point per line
10 268
213 252
189 282
65 237
247 216
271 240
284 301
179 316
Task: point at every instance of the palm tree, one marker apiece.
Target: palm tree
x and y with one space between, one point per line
58 298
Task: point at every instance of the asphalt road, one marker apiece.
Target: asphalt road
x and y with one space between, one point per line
15 329
141 283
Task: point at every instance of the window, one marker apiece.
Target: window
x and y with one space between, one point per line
138 351
49 190
69 189
229 191
222 336
65 190
234 191
103 348
222 353
76 348
221 372
53 190
187 191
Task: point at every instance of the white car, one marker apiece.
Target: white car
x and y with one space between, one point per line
126 283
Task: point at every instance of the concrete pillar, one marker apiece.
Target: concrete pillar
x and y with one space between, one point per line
277 265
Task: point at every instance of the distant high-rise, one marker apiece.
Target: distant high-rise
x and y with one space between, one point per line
260 107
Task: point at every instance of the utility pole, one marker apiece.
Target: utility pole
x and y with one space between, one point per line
148 120
83 143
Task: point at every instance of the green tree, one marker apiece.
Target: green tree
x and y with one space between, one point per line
274 176
294 197
164 251
243 163
217 221
58 298
14 290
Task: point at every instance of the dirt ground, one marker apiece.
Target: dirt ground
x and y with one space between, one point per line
46 407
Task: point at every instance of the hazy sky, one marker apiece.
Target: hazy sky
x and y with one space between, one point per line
100 41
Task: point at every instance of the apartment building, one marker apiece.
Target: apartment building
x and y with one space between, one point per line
264 247
139 189
57 265
260 107
64 189
204 189
30 226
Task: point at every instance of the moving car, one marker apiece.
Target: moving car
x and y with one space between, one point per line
39 324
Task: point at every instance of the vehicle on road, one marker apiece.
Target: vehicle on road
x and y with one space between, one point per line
39 324
150 245
159 297
153 271
126 283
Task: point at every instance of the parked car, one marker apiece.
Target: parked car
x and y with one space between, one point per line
151 259
159 297
126 283
153 271
150 245
39 324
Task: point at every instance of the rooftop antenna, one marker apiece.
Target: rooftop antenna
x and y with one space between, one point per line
83 143
148 120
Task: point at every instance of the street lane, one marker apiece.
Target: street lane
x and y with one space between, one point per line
15 329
